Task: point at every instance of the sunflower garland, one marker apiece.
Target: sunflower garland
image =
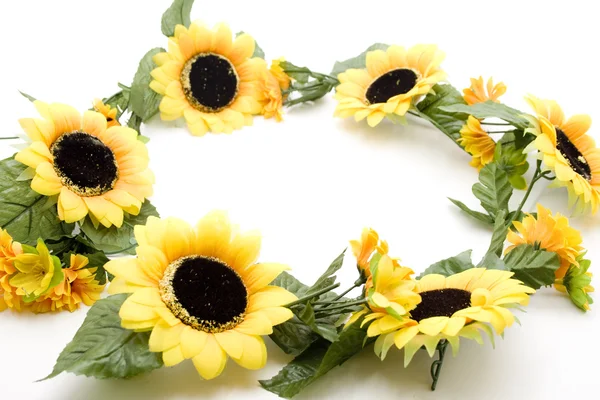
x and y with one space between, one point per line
198 292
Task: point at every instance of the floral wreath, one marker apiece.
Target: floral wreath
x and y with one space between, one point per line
77 192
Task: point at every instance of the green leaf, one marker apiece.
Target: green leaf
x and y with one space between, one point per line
308 89
325 330
144 101
359 61
494 190
315 362
28 97
499 234
451 266
258 52
115 240
431 109
512 160
326 278
22 211
103 349
492 261
135 123
177 14
486 219
490 109
119 100
535 268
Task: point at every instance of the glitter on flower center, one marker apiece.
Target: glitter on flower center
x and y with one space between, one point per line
574 157
204 293
84 164
441 303
210 82
390 84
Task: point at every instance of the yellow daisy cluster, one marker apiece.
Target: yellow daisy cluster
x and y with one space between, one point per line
201 293
477 93
93 169
390 84
212 80
566 149
28 279
411 313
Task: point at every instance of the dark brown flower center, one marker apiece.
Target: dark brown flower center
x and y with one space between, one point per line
210 82
441 303
84 164
204 293
390 84
574 157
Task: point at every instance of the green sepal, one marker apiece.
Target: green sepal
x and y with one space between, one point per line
358 62
177 14
103 349
535 268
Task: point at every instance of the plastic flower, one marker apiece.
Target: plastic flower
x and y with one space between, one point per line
109 113
94 170
391 82
567 150
445 308
477 92
208 78
269 95
201 293
477 142
35 271
365 249
577 284
9 249
551 233
78 286
278 72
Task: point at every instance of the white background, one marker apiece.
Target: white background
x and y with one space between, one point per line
312 182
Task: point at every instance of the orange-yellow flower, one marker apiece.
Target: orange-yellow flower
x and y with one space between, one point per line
477 92
278 72
109 113
477 142
9 249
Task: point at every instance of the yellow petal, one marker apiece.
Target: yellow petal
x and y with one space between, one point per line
277 315
258 276
173 356
255 353
93 123
192 341
243 48
403 336
433 326
231 342
431 282
72 206
211 360
243 251
270 296
164 337
255 323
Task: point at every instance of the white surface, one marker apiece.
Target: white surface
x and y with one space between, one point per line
312 182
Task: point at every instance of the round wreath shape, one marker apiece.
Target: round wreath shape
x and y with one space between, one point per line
201 293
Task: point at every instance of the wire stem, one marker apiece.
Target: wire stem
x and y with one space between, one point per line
312 295
436 366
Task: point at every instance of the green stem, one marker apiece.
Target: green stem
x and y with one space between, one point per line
436 366
110 253
537 175
496 123
312 295
9 137
342 306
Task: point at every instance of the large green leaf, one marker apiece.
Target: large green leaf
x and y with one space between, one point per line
482 217
494 190
535 268
328 277
103 349
177 14
144 101
489 109
450 266
24 213
118 240
431 109
359 61
315 362
499 234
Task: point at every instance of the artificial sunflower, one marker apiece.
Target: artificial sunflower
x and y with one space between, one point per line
269 95
201 293
476 93
551 233
392 81
78 286
577 284
477 142
93 170
567 150
445 308
209 79
109 113
9 249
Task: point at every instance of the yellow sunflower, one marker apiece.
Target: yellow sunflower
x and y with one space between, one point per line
440 307
209 79
476 93
390 84
477 142
567 150
109 113
551 233
78 286
9 249
201 293
93 170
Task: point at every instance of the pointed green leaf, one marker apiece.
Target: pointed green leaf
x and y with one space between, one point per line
451 266
535 268
485 218
431 108
177 14
359 61
493 190
490 109
326 278
103 349
28 97
499 234
144 101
